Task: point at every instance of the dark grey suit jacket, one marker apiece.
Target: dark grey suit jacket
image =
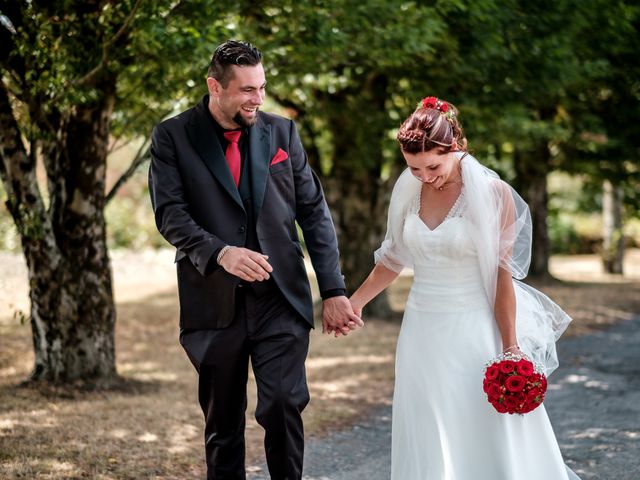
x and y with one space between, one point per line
198 210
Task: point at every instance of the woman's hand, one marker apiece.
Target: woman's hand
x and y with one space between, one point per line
357 309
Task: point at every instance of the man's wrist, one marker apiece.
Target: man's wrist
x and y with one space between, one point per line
222 253
334 292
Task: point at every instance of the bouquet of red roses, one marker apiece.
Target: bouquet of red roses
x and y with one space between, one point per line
514 384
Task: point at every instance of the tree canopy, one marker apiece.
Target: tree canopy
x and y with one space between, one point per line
540 86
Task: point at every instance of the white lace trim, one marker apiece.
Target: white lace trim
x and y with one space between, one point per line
456 210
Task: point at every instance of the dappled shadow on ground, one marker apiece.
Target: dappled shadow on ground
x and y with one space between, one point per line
80 389
150 426
593 305
146 424
598 383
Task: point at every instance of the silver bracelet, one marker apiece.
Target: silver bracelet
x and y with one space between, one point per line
223 251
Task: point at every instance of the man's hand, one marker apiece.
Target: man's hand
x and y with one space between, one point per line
338 316
246 264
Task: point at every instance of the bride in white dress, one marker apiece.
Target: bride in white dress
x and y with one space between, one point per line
467 235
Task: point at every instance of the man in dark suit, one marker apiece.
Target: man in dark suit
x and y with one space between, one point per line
228 184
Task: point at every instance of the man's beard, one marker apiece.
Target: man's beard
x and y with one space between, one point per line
243 122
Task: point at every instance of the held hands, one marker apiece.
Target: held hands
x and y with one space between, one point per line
338 317
246 264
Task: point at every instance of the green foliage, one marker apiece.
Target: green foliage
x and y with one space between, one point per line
9 239
345 67
167 59
604 108
557 73
563 236
570 230
130 223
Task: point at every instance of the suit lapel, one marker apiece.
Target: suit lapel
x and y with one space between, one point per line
259 147
203 137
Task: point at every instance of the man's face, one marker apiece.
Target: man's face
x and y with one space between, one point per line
237 105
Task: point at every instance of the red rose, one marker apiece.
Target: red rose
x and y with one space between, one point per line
500 408
507 366
444 107
494 391
492 372
514 383
525 367
528 407
543 383
539 381
485 385
510 403
534 395
429 102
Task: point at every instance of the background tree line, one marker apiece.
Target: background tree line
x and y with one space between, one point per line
542 86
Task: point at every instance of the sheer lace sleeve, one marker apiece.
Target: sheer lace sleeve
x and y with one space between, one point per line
393 253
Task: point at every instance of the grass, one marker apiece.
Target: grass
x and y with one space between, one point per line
151 426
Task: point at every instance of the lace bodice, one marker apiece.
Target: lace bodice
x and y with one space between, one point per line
446 270
457 209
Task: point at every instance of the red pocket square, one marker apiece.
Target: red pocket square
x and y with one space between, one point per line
280 156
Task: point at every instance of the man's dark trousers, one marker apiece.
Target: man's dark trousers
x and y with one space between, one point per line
268 331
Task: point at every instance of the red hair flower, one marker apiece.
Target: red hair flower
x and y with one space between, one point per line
436 104
429 102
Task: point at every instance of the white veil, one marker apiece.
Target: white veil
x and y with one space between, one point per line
502 235
393 253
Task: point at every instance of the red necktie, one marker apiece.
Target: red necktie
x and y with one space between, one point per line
233 154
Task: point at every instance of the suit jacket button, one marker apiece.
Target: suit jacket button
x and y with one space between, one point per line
242 229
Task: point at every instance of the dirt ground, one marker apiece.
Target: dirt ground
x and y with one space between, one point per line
152 427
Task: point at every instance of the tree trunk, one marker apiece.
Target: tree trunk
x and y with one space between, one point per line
612 235
357 195
72 308
72 319
531 169
360 218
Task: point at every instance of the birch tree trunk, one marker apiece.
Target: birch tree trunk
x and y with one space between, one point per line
64 243
612 234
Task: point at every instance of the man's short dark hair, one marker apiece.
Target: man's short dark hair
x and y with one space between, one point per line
232 52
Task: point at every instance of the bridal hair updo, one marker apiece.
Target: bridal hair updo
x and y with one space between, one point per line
434 124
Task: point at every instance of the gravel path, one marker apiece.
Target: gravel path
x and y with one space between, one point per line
593 402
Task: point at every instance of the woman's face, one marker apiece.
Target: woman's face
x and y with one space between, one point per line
433 167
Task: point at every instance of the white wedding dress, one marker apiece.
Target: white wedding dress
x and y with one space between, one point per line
443 426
